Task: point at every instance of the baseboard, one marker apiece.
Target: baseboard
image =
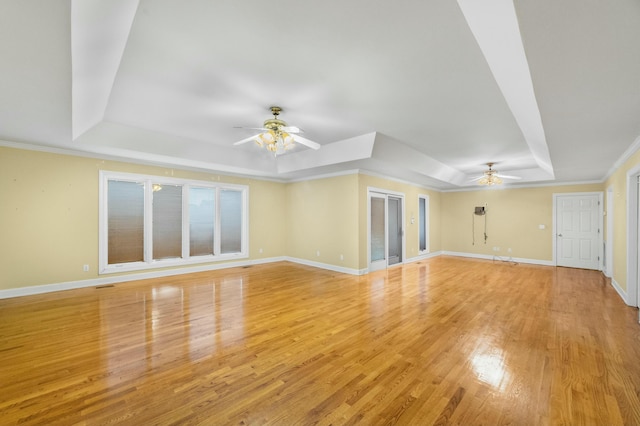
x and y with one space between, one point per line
501 258
423 257
94 282
327 266
623 294
352 271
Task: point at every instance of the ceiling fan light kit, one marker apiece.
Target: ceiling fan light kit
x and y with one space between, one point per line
274 141
489 179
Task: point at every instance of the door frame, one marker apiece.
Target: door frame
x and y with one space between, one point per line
554 234
424 197
608 255
633 281
386 194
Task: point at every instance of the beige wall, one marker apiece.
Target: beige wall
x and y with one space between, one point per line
323 217
618 182
48 218
49 215
512 217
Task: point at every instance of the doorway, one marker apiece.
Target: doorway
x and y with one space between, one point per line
578 225
386 229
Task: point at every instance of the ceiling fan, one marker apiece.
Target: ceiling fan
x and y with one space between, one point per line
492 177
276 136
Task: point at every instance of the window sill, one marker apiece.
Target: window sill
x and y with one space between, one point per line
169 263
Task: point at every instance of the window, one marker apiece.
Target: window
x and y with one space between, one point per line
126 221
149 221
202 214
423 228
167 221
230 223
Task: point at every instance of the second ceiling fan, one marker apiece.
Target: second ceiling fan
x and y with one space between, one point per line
492 177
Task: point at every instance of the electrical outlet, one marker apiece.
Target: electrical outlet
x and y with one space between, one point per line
260 251
509 250
342 257
85 268
318 253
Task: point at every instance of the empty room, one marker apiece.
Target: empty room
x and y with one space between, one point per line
293 213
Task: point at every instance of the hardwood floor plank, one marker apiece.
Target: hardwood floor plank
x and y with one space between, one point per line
441 341
452 405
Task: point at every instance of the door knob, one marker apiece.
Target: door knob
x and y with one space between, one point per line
559 235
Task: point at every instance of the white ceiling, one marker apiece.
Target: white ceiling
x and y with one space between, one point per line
422 91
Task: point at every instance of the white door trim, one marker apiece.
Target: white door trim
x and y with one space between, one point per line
386 194
371 266
427 217
632 236
608 267
554 244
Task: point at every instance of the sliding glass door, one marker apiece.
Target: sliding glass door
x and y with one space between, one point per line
377 232
386 230
394 230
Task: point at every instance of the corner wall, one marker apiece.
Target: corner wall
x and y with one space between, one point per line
618 182
322 221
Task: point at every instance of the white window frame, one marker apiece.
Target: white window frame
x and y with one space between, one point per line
186 259
426 224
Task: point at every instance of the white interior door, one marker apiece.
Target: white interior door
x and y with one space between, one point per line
578 236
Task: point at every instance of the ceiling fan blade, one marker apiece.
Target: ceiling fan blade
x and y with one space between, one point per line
306 142
249 139
263 129
292 129
500 175
476 178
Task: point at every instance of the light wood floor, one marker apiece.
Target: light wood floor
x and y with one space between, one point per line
442 341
